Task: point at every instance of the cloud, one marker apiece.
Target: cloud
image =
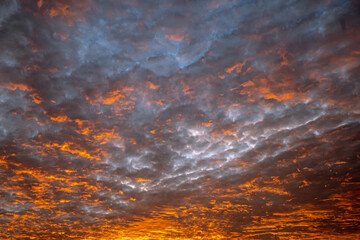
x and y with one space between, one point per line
176 119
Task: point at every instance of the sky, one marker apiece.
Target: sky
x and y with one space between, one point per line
179 119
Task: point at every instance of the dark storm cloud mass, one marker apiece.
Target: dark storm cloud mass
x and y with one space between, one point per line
179 119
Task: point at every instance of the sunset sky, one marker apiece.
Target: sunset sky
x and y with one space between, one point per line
179 119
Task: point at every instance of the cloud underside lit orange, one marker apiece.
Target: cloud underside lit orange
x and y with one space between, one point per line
179 120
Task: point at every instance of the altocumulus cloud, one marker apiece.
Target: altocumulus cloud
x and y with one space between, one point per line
179 119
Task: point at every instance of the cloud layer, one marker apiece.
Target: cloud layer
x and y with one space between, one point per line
179 119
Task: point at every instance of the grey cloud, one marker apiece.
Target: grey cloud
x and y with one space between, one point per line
241 112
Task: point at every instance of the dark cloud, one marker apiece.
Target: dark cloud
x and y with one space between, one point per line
179 119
